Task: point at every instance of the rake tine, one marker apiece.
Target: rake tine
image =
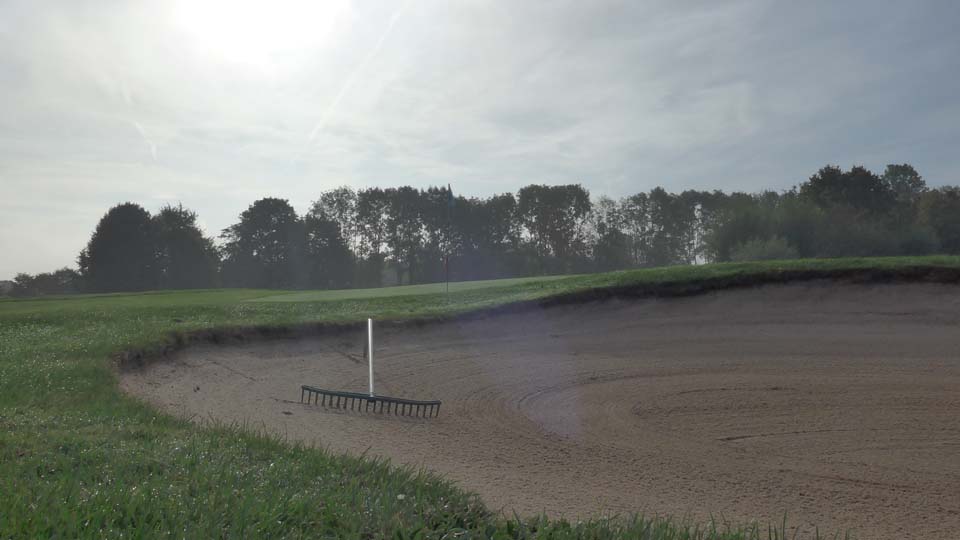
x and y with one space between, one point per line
365 402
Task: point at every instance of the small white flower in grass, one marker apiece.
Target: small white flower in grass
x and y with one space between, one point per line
401 497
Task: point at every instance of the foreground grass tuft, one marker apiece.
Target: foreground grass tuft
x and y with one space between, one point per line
79 459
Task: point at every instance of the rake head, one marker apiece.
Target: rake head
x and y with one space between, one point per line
370 401
353 401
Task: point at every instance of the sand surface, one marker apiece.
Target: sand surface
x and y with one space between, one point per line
839 404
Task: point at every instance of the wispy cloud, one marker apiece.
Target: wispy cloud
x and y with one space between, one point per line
150 144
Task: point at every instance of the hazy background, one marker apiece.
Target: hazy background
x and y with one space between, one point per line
218 103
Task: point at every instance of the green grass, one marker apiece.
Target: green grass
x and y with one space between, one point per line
403 290
79 459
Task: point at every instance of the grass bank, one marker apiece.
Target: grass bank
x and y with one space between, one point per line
79 459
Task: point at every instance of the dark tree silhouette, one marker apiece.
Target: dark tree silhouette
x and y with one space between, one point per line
940 211
555 217
121 254
62 281
339 205
857 189
187 259
404 227
266 248
329 260
356 238
372 229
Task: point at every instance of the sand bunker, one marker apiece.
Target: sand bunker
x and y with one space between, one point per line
839 404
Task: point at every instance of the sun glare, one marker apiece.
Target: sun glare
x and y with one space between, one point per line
259 32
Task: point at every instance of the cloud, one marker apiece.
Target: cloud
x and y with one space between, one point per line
102 102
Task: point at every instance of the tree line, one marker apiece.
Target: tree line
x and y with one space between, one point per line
373 237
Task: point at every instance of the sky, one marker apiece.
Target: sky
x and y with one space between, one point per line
216 103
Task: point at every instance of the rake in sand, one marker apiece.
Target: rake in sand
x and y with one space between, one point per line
355 401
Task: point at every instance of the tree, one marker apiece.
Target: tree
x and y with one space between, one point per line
858 189
121 255
62 281
773 248
940 211
904 182
266 248
488 232
404 227
330 262
187 259
610 242
555 218
441 237
339 205
907 186
635 212
744 218
671 235
372 230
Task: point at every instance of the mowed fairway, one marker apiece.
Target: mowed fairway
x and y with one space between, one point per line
404 290
838 404
79 458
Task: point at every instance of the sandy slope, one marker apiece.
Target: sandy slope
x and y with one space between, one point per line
839 404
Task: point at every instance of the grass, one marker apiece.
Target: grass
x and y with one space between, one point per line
80 459
403 290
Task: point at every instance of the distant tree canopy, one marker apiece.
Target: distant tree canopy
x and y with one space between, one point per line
130 250
122 253
186 258
62 281
376 236
265 248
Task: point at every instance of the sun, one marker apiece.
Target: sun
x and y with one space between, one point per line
259 32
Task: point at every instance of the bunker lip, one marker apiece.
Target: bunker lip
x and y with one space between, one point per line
835 403
139 357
